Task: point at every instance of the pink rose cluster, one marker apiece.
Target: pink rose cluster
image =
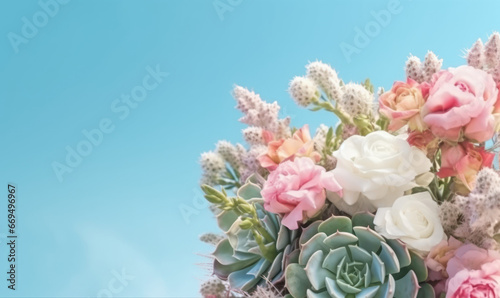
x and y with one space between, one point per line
453 112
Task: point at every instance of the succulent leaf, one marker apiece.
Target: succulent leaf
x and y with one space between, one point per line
340 257
257 248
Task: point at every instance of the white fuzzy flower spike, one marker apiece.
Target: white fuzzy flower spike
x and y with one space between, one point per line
256 111
229 153
213 165
253 135
492 51
356 100
325 77
414 69
211 238
304 91
213 288
475 57
431 65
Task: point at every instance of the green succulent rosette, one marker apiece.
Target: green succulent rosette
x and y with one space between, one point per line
245 258
341 257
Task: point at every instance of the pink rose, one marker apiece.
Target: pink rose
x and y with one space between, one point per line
474 272
461 103
464 161
300 144
402 104
296 189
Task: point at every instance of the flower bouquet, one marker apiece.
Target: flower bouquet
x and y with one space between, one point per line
398 199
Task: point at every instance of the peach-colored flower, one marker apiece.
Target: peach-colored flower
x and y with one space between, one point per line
464 161
402 104
300 144
296 189
460 103
473 272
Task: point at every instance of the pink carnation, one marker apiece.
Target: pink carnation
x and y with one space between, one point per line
460 103
296 189
474 272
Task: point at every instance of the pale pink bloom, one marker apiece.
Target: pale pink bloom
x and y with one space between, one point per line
464 161
437 260
300 144
460 103
296 189
402 104
496 108
473 272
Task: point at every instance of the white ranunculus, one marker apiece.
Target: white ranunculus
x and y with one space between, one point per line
413 219
376 169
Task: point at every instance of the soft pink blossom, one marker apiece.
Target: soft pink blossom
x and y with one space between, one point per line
473 272
300 144
402 104
296 189
464 161
460 103
437 260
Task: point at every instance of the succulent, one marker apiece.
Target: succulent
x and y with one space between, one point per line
257 248
341 257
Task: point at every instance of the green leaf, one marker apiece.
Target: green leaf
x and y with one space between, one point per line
315 109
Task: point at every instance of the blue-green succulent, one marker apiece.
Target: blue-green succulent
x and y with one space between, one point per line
257 248
341 257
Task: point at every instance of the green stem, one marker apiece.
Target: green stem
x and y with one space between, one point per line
446 189
258 227
329 107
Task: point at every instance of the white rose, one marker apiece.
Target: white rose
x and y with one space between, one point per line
413 219
376 169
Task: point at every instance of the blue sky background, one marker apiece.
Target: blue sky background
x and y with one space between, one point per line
119 209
